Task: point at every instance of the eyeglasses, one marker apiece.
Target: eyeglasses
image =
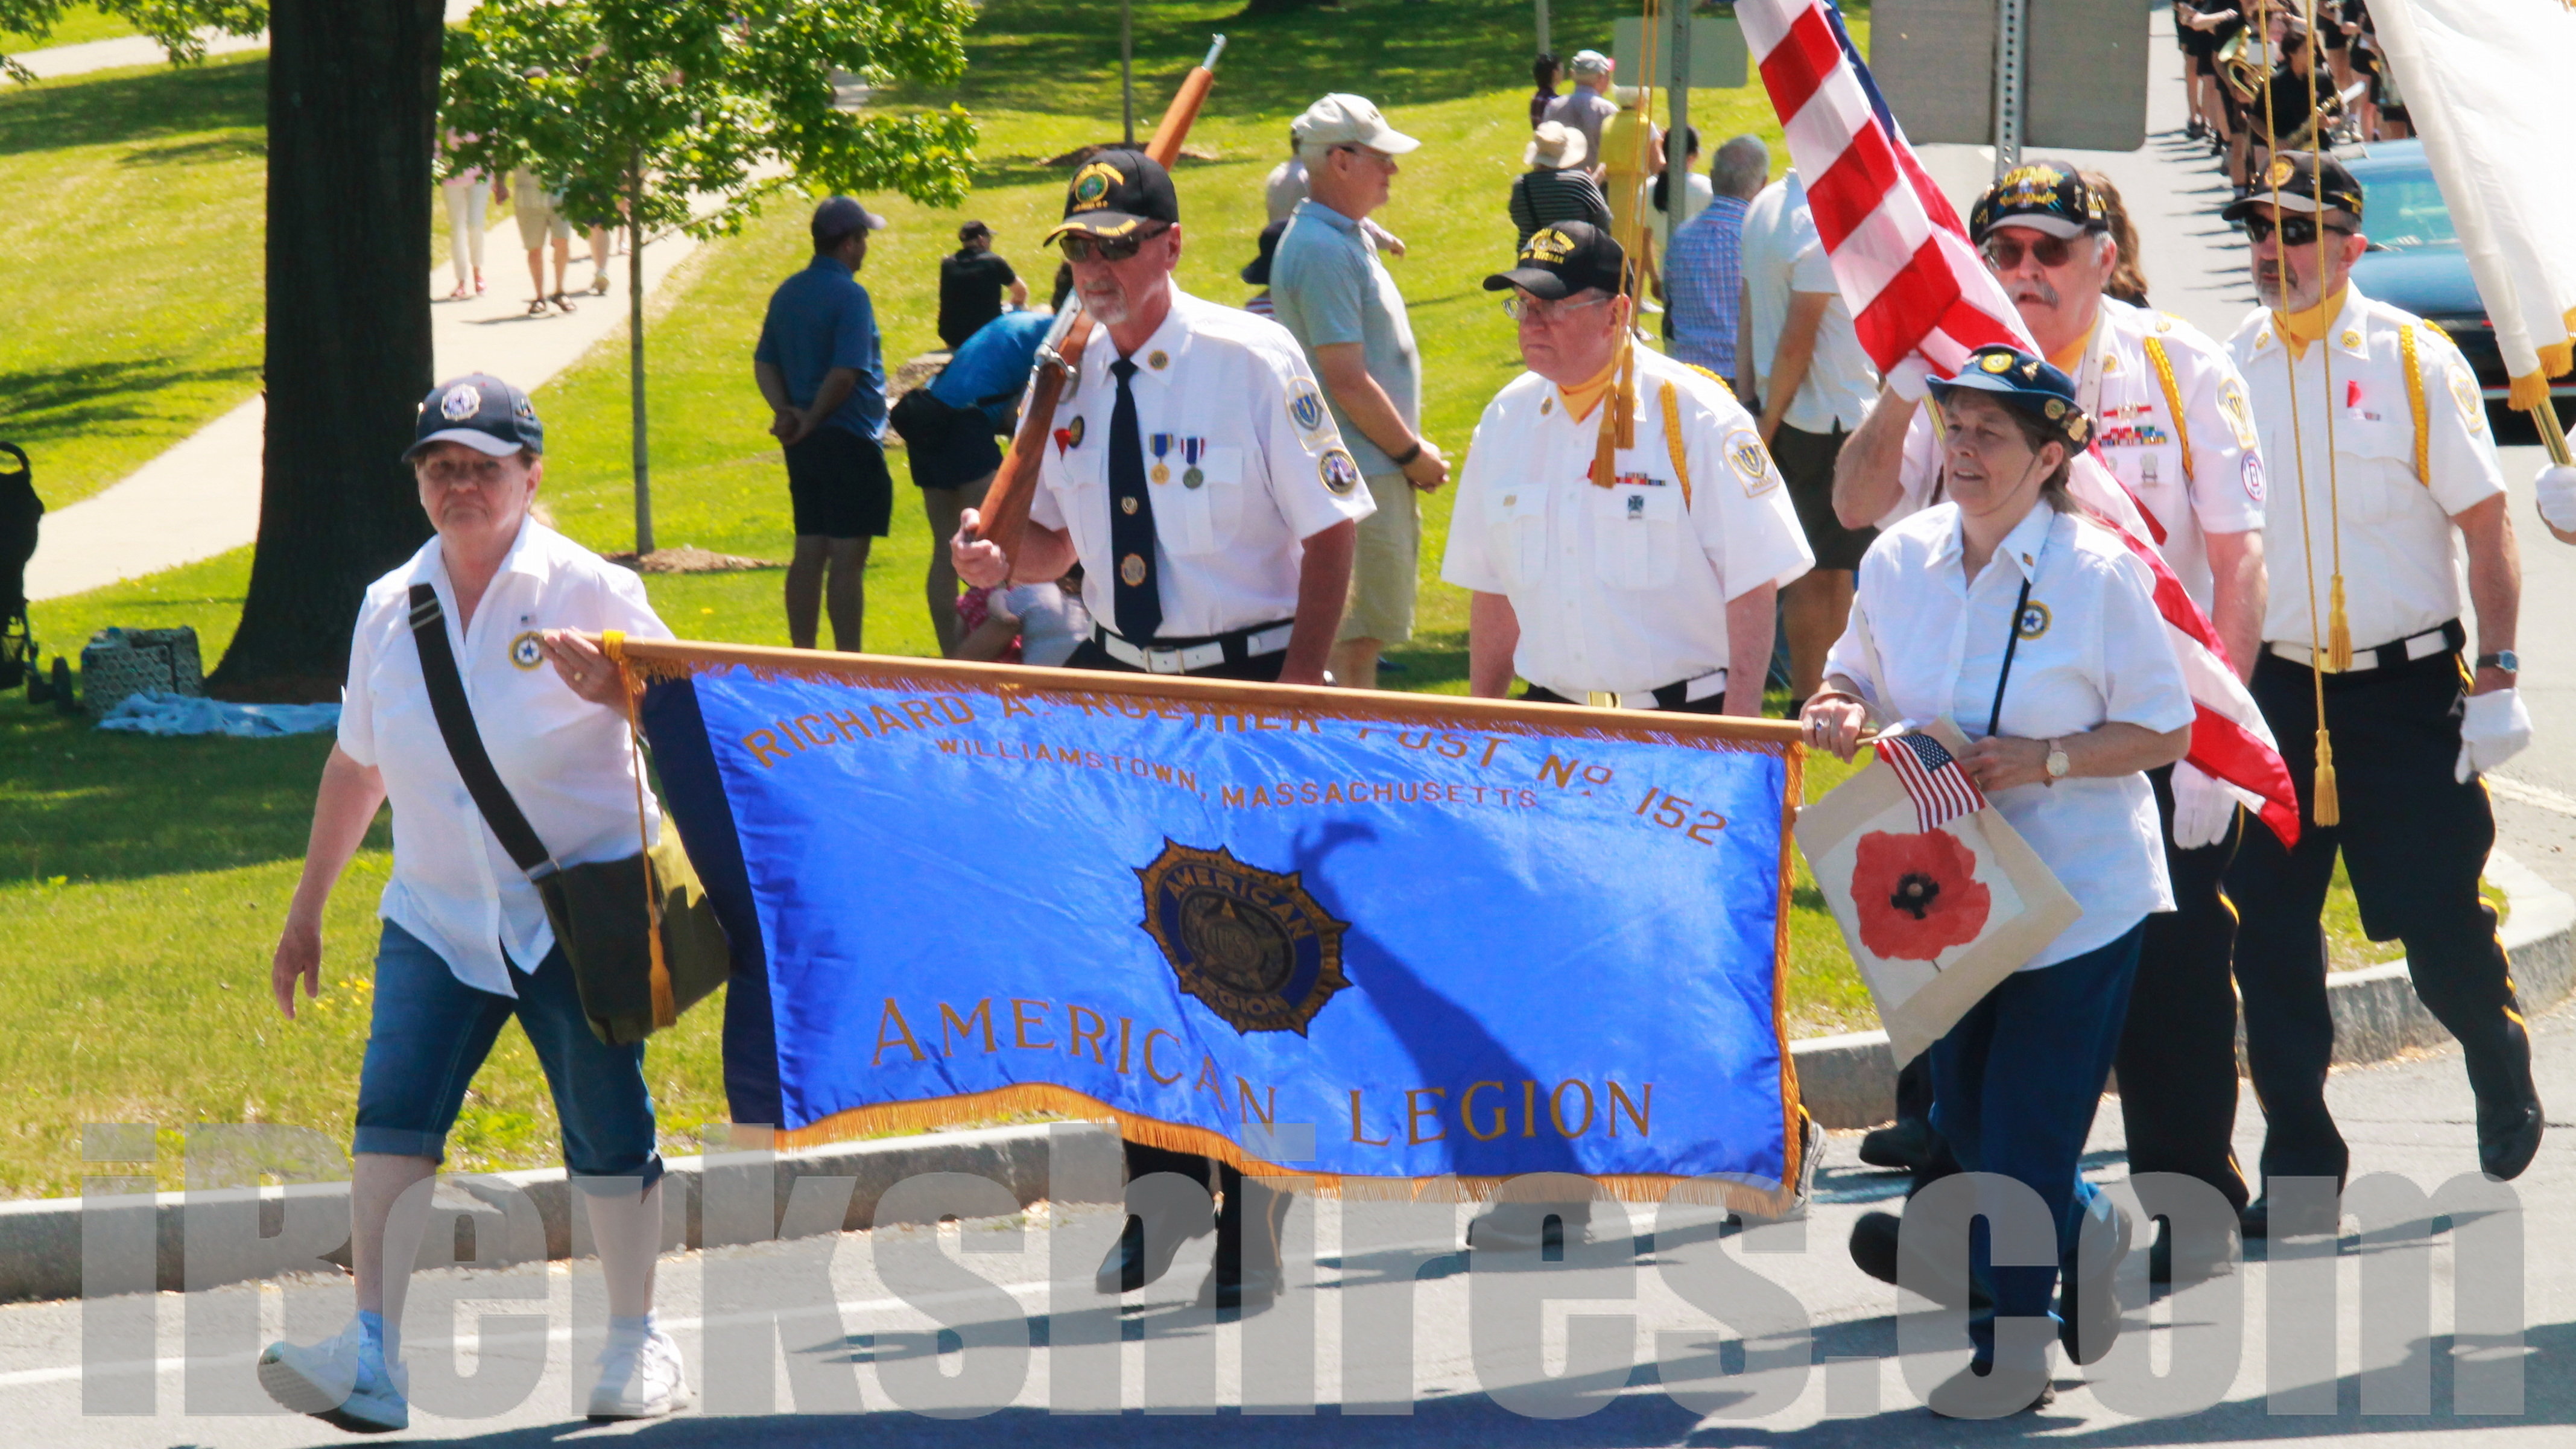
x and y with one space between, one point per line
2003 253
1531 309
1367 153
451 473
1082 247
2296 231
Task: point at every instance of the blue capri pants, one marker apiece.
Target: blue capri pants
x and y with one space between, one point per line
431 1033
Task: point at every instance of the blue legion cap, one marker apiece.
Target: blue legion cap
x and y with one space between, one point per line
2025 381
480 411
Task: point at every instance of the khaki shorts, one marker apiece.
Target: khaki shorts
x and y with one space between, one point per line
1388 567
538 215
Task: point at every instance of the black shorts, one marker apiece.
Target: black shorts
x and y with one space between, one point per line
948 447
839 485
1807 465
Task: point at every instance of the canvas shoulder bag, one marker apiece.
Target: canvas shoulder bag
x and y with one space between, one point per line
639 932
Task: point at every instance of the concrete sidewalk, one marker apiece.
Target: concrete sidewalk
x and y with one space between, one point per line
201 498
55 61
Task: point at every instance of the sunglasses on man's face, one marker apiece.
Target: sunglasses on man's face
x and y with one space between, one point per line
2004 253
2296 231
1079 247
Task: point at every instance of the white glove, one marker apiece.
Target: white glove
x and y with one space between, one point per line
2495 729
2556 486
1910 378
2204 810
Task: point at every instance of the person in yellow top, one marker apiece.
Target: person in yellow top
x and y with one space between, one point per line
2381 457
1632 156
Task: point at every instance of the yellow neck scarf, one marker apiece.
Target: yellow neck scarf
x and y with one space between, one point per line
1582 399
2298 329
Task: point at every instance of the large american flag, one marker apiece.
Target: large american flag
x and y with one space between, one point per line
1916 286
1940 790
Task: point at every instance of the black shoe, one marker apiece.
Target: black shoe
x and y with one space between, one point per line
1873 1245
2088 1307
2507 1146
1245 1292
2254 1220
1905 1145
1488 1232
1961 1395
1876 1250
1127 1268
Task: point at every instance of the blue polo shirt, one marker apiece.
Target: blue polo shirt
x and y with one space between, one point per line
820 319
991 369
1327 286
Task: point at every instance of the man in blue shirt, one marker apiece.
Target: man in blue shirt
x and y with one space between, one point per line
948 431
1704 275
822 368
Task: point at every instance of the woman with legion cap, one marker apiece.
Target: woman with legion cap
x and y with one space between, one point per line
2037 634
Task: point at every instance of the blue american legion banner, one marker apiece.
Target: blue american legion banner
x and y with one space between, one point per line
1314 931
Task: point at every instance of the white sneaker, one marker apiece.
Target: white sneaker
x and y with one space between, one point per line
343 1381
639 1378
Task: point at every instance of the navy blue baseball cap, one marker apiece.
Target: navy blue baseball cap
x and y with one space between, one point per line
2024 381
480 411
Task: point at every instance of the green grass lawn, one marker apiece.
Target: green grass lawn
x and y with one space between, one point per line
79 24
154 874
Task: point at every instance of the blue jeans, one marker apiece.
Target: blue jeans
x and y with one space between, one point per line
2015 1084
431 1032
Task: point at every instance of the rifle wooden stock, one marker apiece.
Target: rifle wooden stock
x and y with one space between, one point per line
1005 513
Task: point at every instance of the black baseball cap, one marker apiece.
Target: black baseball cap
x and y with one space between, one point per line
1256 273
840 216
2046 196
2304 179
2024 381
1562 259
1115 193
480 411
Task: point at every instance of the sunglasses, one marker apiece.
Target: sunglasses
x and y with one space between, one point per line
1531 309
1079 247
2004 253
2296 231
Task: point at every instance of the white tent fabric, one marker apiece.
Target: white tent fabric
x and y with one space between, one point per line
2485 82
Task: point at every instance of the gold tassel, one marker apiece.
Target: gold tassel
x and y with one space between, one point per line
2329 806
2338 633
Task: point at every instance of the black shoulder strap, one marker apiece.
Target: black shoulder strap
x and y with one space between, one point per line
465 742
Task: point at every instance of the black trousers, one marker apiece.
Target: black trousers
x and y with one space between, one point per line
2414 842
2177 1061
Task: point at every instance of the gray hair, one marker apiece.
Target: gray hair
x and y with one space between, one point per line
1742 165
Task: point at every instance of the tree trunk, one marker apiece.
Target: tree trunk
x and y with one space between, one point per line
352 102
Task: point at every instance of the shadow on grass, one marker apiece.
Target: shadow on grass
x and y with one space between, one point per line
180 101
1430 660
41 404
83 804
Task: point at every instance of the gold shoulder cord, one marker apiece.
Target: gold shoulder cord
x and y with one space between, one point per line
2173 399
1673 439
2406 349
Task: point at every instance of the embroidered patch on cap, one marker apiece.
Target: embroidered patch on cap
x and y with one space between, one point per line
462 401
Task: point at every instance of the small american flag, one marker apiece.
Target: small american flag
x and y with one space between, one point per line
1941 791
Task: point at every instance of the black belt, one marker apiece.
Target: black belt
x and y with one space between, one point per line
1188 656
1695 695
2451 638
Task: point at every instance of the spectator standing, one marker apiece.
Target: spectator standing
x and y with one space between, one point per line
1704 277
1543 73
972 282
1588 106
1556 188
468 195
1287 186
1630 152
541 220
1256 273
1804 363
2128 280
1696 189
949 430
821 367
1332 294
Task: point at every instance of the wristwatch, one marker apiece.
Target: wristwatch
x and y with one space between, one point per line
2508 661
2058 763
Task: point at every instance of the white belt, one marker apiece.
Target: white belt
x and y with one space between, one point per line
2432 641
1693 691
1193 656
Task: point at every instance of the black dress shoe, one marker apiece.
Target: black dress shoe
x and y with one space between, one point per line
2507 1146
1875 1250
1905 1145
2254 1220
1962 1396
1873 1245
2088 1306
1128 1267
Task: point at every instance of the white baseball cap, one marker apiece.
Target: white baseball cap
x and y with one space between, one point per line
1345 120
1589 62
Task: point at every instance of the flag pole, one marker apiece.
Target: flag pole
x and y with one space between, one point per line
2552 437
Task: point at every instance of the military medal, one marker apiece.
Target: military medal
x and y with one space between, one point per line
1191 448
1162 471
1132 569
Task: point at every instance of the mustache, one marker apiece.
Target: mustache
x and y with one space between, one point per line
2035 290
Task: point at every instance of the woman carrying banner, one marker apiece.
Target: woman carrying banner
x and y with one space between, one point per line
2038 634
466 945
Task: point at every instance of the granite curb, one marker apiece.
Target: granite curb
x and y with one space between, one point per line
1850 1080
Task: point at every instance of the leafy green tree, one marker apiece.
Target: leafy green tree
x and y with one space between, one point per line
688 114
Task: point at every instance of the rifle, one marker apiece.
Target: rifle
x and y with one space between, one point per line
1006 505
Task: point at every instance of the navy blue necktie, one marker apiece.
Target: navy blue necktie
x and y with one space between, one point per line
1137 594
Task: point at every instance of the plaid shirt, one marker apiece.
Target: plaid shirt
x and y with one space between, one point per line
1703 286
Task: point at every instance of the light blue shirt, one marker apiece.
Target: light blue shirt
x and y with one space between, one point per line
1328 287
820 319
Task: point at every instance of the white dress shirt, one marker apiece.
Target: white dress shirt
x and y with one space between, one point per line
1622 588
1227 551
567 762
1924 641
2220 489
1782 254
2397 535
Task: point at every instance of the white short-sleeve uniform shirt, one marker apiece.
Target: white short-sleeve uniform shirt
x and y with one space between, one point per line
567 762
1622 588
1784 254
2398 539
1925 641
1227 395
2193 475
